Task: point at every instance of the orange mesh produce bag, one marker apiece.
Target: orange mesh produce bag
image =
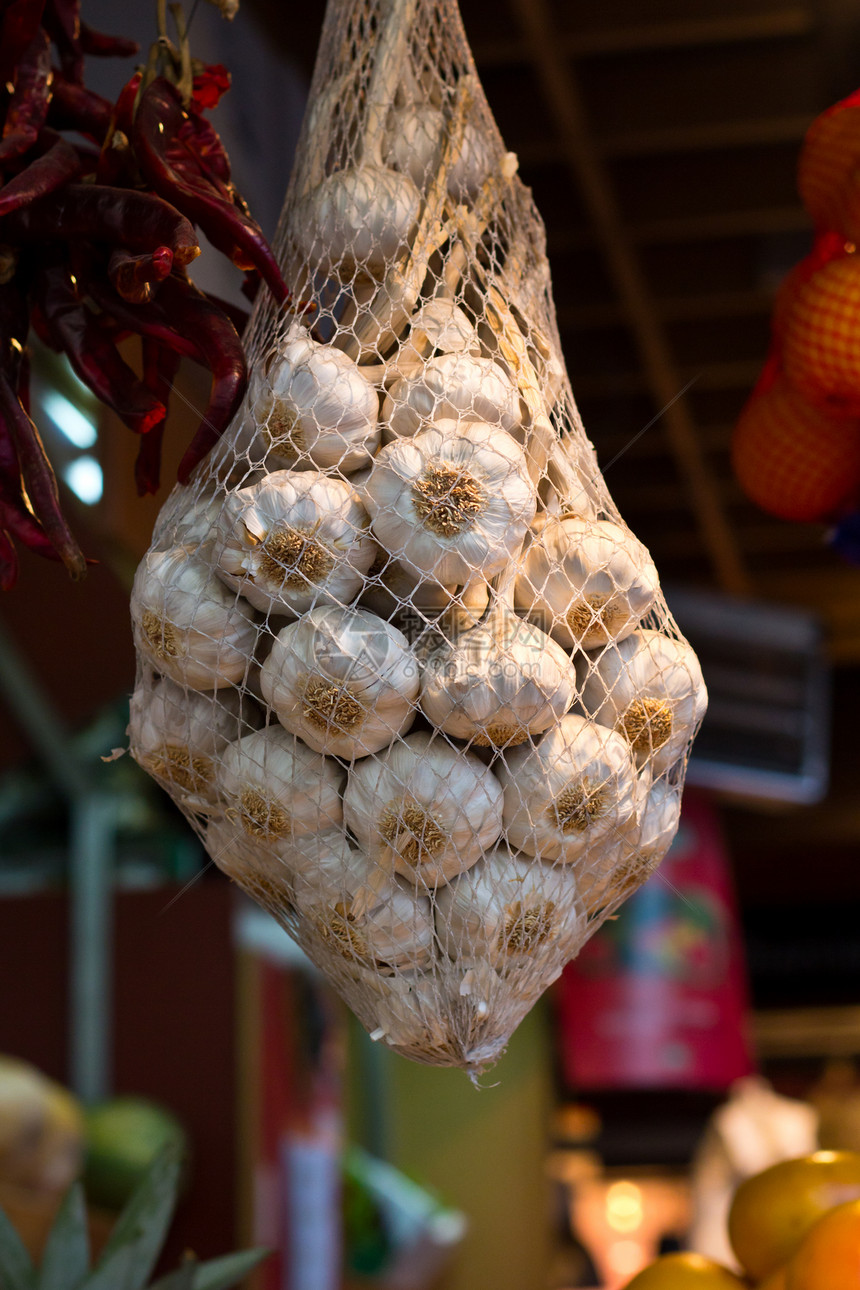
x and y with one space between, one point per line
401 662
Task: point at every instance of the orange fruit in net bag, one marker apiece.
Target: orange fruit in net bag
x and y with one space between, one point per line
829 1255
827 166
685 1271
821 336
771 1212
794 460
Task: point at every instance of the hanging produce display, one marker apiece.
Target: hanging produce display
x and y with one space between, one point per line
796 445
461 695
100 204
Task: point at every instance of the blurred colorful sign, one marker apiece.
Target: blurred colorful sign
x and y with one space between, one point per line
658 997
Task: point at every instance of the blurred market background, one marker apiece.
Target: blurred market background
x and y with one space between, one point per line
660 138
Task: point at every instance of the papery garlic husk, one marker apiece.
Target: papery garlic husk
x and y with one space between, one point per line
453 502
496 683
572 796
452 387
423 809
643 852
293 539
395 932
585 582
414 144
261 872
511 909
390 590
277 788
649 688
358 219
313 406
342 679
438 326
187 624
178 736
187 519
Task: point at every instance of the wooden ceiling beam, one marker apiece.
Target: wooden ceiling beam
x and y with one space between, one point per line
735 374
561 94
710 226
722 304
706 135
791 20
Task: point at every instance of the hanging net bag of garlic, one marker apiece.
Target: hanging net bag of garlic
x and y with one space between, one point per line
401 663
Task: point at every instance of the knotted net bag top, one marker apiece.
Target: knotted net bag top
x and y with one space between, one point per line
400 661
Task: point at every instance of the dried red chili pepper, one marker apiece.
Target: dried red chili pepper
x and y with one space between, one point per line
94 357
19 25
158 119
160 366
39 479
28 106
74 107
101 45
134 276
62 21
209 84
220 348
96 212
57 166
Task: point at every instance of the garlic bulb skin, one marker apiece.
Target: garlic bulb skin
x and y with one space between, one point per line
437 326
395 933
187 518
572 796
292 539
358 219
259 871
313 405
451 387
643 851
187 624
342 679
649 688
453 502
497 683
423 810
510 909
585 582
277 788
414 144
177 735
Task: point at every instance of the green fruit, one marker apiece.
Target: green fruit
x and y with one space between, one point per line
123 1138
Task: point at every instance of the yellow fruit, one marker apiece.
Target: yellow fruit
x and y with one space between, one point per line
685 1272
41 1130
124 1136
772 1211
828 1257
776 1280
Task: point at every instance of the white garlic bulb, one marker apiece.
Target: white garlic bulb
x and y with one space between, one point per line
187 624
455 387
453 502
292 539
643 850
277 788
260 871
409 1013
342 679
496 683
390 589
313 405
187 518
585 582
438 326
357 219
572 796
394 933
508 909
649 688
414 144
423 809
178 736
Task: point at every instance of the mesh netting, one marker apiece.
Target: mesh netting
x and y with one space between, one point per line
401 662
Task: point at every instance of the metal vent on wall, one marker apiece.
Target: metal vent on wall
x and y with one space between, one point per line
766 734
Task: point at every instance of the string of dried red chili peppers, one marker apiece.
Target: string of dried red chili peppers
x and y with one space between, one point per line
94 243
